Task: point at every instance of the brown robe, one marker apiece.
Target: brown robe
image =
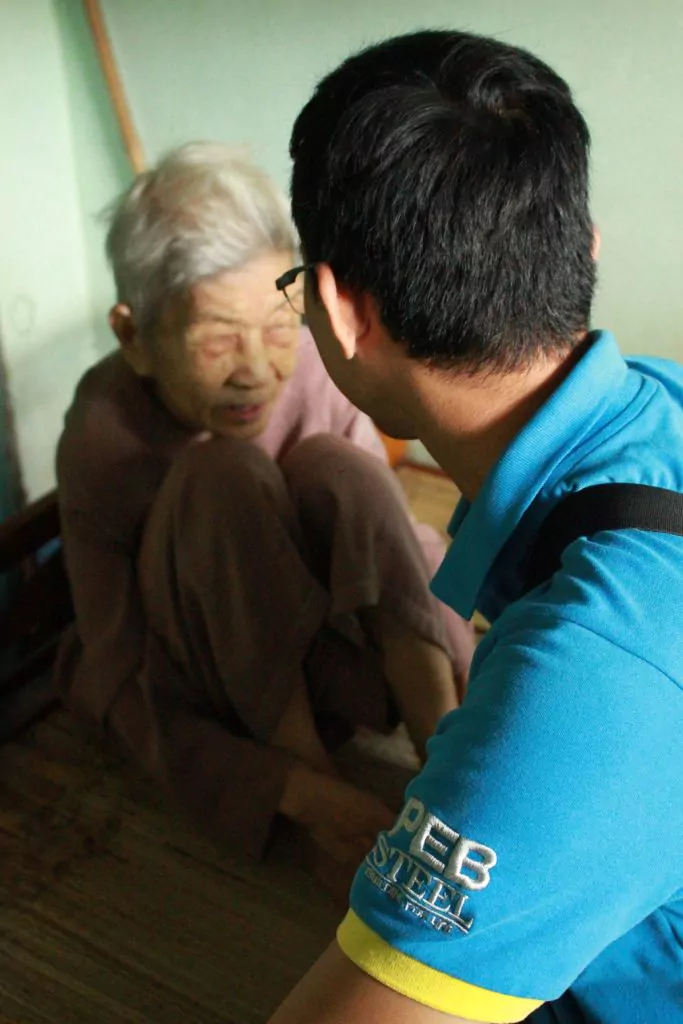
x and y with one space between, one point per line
206 575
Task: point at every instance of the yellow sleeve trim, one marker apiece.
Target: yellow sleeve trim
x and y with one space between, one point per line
424 984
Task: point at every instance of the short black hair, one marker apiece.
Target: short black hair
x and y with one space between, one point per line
446 174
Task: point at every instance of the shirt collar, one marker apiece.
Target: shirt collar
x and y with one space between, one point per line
573 412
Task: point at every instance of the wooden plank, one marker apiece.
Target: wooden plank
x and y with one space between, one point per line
117 93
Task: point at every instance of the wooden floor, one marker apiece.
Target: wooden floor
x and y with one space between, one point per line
431 495
113 912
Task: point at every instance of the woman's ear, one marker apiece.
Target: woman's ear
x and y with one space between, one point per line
135 352
345 311
597 244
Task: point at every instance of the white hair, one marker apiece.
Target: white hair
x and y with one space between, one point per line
205 208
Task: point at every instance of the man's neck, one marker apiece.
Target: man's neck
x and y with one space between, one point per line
466 422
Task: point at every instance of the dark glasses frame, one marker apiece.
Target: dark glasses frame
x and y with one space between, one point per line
287 279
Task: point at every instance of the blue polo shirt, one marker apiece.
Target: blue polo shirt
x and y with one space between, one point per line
537 865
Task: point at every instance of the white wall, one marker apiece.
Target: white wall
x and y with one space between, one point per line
45 313
240 70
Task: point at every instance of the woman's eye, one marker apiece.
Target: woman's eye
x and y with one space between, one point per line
280 334
215 347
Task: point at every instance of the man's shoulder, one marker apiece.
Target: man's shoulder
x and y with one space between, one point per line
657 425
667 372
626 584
617 597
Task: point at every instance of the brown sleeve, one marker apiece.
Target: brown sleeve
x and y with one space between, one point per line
120 674
109 619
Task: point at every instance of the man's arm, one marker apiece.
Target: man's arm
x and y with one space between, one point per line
493 844
335 991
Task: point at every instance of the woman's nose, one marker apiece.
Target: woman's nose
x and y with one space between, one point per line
252 366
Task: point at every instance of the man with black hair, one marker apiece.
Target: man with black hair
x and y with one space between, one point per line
440 189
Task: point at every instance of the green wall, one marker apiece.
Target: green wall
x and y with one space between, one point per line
62 162
239 70
101 166
45 305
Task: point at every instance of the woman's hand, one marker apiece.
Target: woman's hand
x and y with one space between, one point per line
341 820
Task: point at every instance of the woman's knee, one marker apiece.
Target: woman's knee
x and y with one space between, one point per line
325 464
223 474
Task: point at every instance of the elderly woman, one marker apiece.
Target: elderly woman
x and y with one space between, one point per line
247 582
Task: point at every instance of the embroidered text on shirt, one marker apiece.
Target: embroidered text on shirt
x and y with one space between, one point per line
455 860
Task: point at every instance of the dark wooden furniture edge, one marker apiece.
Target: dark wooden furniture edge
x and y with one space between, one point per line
39 611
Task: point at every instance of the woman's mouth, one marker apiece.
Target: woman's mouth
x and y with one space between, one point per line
243 413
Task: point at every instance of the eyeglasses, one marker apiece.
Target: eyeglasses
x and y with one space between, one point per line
292 289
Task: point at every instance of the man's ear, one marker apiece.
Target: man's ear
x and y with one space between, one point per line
597 244
135 352
346 312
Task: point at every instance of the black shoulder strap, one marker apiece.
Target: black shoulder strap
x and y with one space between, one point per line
603 507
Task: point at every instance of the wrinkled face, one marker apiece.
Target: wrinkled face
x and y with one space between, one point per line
222 355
